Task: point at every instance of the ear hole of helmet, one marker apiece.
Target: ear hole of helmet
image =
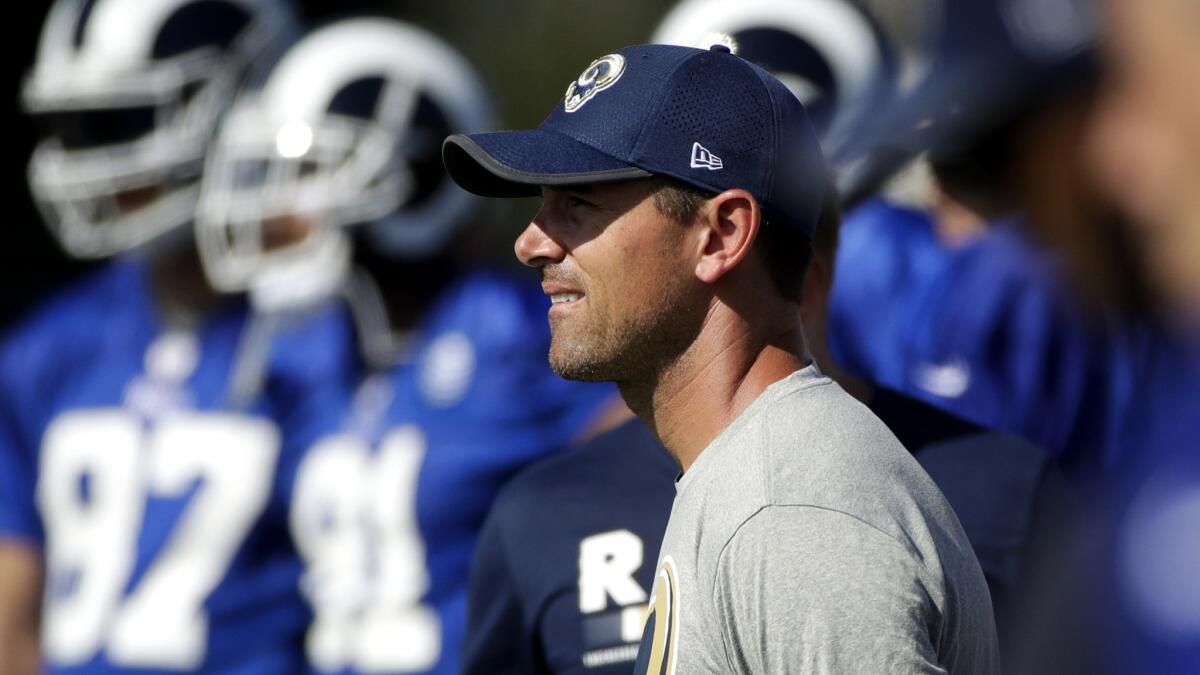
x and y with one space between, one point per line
423 149
359 98
207 23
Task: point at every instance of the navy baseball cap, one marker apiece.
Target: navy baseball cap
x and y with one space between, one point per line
707 118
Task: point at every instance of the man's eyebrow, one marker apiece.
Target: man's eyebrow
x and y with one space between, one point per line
585 189
581 190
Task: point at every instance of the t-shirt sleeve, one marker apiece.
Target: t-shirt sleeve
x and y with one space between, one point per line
802 589
496 639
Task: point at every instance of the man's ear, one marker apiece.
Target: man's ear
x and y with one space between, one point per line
729 225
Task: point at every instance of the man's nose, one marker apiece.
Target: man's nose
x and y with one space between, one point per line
535 248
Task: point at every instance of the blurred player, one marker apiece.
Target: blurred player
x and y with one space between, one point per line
133 472
1005 340
1148 142
1021 329
1146 148
445 390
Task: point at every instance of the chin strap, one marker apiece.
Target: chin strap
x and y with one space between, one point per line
253 352
379 346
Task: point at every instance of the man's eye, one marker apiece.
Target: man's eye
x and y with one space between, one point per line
577 202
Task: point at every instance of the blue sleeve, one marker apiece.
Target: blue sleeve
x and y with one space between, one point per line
886 259
536 398
498 639
566 407
309 385
517 388
1000 341
18 509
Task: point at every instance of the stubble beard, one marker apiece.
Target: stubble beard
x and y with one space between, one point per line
626 350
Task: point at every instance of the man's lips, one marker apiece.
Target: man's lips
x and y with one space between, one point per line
560 294
560 298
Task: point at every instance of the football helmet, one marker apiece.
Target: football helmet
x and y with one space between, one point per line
346 130
829 53
128 94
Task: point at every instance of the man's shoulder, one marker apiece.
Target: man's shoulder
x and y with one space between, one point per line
821 437
805 532
817 447
817 407
85 300
803 438
806 443
66 330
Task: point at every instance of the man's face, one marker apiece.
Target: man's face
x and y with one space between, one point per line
620 275
1146 141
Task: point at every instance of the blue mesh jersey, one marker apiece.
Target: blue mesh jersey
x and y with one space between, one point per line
1000 340
401 471
989 332
568 554
887 257
1147 550
159 505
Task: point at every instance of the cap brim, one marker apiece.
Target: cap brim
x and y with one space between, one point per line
518 163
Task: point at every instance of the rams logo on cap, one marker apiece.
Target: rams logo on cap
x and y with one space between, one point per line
600 75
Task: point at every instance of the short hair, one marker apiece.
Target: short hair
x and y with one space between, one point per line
786 251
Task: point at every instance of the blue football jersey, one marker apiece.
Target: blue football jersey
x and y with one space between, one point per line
999 339
989 332
887 258
157 501
1149 620
399 474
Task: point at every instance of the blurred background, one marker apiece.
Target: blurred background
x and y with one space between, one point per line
1054 311
527 51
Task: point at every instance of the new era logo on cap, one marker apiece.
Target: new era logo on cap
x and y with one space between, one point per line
703 159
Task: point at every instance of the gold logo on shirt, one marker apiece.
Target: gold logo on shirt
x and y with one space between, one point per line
660 634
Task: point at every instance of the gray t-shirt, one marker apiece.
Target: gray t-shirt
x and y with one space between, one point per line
805 539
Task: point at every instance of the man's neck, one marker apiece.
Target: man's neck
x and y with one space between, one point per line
691 401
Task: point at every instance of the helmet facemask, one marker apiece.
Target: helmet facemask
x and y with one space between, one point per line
119 164
277 195
340 142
